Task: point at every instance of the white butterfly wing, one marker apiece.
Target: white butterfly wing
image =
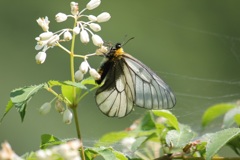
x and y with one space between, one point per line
151 92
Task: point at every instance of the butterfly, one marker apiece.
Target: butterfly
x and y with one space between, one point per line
127 82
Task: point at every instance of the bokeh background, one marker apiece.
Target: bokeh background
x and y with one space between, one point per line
193 45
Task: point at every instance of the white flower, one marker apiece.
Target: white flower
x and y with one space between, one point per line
45 36
92 18
74 8
95 27
84 37
44 23
61 17
45 108
97 40
103 17
67 36
93 4
40 57
76 30
67 116
78 75
84 67
94 74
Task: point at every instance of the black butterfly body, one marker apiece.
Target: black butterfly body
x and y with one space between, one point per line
128 82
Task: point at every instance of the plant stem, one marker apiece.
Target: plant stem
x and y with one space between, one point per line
78 131
74 104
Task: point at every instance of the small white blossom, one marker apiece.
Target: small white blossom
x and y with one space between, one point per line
45 36
74 8
84 67
45 108
40 57
53 40
94 74
93 4
97 40
78 75
61 17
95 27
44 23
92 18
76 30
67 116
84 37
103 17
67 36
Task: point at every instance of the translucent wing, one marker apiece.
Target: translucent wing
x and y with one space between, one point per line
115 97
151 92
129 82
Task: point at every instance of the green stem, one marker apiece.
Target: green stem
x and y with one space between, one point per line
78 132
74 105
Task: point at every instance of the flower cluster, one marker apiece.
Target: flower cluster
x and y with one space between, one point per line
67 151
67 114
48 39
6 153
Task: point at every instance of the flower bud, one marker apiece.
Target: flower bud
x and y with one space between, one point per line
103 17
78 75
61 17
84 37
59 106
67 116
40 57
95 27
45 108
74 8
93 4
92 18
84 67
94 74
67 36
76 30
97 40
45 35
44 23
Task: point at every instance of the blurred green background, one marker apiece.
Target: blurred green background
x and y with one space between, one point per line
193 45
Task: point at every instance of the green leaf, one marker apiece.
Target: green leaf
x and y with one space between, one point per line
215 111
139 141
7 109
89 81
21 96
237 119
219 139
112 137
147 122
169 116
49 140
106 153
235 145
179 139
228 119
53 83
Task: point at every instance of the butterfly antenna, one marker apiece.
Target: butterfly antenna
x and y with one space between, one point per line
127 41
